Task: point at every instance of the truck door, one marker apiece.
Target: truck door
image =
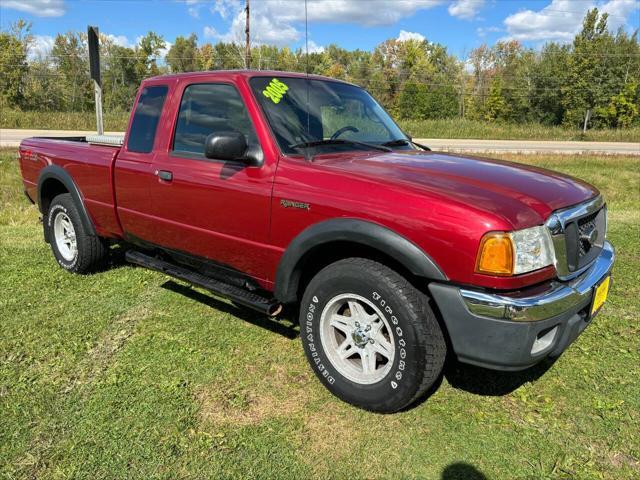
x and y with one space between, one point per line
215 209
133 174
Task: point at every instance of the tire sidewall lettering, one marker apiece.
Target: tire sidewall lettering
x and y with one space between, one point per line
398 337
309 330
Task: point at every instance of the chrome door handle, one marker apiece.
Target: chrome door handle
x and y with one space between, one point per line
164 175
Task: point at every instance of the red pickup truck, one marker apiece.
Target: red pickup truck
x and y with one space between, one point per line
278 189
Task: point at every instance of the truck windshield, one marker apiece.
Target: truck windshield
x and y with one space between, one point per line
325 117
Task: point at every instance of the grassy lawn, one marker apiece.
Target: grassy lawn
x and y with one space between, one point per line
128 374
452 128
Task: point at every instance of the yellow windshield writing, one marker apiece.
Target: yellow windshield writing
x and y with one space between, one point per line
275 90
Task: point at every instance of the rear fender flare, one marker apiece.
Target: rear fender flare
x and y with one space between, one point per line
402 250
55 172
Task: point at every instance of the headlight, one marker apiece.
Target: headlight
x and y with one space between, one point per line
513 253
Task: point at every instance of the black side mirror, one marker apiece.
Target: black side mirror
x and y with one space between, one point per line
226 146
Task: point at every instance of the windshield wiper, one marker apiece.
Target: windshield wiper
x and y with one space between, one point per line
404 141
340 141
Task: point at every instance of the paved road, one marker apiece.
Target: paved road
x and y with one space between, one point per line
532 146
12 138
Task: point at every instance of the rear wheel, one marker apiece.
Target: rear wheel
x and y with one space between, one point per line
75 249
370 336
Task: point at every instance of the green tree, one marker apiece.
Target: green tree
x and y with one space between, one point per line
586 80
121 74
149 48
622 110
13 63
183 54
71 61
412 102
419 101
496 107
549 76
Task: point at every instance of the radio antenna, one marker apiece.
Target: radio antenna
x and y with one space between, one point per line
306 46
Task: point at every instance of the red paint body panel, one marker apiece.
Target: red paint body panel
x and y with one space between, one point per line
232 214
91 167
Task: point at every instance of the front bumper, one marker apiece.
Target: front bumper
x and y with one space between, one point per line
517 330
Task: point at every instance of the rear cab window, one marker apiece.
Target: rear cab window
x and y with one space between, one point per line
146 118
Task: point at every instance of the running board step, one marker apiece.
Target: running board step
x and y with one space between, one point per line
236 294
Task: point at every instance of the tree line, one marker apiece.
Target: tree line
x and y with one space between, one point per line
596 78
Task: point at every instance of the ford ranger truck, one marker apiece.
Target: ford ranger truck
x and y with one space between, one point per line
276 189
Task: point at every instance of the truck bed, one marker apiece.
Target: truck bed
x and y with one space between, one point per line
90 165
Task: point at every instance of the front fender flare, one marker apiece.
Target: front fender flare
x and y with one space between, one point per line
402 250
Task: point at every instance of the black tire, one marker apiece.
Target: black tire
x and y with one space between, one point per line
419 342
91 251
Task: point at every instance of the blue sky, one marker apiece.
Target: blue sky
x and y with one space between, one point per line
461 25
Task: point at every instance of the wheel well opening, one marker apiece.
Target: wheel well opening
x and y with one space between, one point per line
50 189
321 256
326 254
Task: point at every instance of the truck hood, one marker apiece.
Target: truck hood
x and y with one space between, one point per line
522 195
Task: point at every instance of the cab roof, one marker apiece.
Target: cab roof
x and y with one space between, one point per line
243 74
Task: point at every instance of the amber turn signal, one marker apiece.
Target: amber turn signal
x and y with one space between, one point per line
495 256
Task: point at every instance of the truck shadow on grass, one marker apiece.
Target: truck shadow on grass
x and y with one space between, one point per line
281 326
485 382
472 379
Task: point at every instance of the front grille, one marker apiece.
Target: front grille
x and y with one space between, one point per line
584 238
578 234
585 226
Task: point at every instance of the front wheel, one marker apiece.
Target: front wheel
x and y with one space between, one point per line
370 336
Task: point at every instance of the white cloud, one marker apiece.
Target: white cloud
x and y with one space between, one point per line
619 10
226 8
280 22
210 32
466 9
40 47
165 50
119 40
39 8
468 66
562 19
354 11
194 6
404 36
315 48
266 26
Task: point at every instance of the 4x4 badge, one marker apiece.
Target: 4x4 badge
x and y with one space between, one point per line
293 204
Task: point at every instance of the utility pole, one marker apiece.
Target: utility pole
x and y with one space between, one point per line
247 31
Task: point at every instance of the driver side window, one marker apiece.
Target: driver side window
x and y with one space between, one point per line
207 109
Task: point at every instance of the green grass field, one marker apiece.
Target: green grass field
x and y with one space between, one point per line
126 374
451 128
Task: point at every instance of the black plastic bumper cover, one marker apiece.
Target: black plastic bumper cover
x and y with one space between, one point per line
502 344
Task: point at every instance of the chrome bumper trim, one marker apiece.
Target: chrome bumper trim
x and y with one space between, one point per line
560 297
